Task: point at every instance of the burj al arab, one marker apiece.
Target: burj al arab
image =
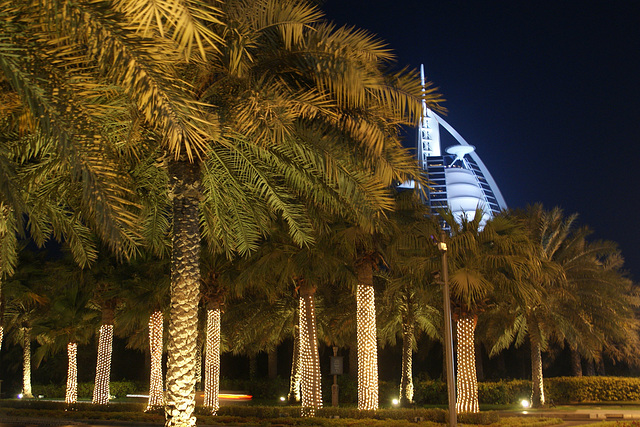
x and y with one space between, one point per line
458 179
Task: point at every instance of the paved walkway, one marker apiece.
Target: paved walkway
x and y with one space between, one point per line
595 414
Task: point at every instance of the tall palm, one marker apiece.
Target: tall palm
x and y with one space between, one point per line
547 232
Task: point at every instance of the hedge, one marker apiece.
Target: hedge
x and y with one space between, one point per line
557 390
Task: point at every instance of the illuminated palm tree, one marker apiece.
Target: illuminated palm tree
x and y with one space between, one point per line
141 316
69 322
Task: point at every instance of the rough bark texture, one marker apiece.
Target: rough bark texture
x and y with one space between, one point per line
72 374
185 294
537 380
311 379
576 363
156 394
103 365
467 382
212 362
367 340
26 363
294 379
406 382
272 357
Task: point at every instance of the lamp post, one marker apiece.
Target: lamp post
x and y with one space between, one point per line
448 332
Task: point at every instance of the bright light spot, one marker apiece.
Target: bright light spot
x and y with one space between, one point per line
394 402
525 403
20 396
282 399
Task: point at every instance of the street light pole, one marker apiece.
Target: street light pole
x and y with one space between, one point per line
448 333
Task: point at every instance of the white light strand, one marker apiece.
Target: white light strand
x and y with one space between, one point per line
103 365
467 382
72 374
212 362
406 384
26 363
1 336
367 348
310 382
156 396
296 368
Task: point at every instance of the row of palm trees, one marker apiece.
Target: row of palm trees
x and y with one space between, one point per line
573 294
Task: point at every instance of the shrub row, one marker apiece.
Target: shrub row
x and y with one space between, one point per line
558 390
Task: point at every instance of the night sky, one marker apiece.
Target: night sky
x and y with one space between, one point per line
547 91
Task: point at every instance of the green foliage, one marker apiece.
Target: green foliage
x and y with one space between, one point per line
592 389
119 389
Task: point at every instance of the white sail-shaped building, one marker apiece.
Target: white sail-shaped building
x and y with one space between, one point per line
459 180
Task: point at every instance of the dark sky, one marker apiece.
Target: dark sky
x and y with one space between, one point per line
547 91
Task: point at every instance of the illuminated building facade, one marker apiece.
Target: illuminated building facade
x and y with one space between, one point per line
459 180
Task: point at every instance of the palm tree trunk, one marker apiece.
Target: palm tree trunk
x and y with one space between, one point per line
103 365
272 357
406 382
212 361
1 336
467 382
537 380
253 366
185 294
576 362
311 380
72 374
294 379
366 337
156 395
26 363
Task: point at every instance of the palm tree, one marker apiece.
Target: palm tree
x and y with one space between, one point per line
481 261
25 299
69 321
140 317
216 136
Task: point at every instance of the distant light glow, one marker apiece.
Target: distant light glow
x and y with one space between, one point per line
395 402
525 403
282 398
20 396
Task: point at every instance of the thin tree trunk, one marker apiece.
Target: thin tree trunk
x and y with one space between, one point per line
103 365
311 380
295 378
272 357
600 370
185 294
253 366
212 361
72 374
156 395
366 336
576 362
590 368
467 382
537 380
406 382
26 363
1 336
